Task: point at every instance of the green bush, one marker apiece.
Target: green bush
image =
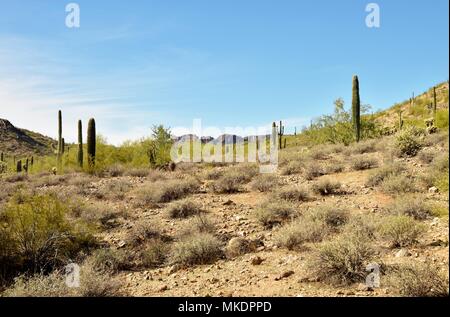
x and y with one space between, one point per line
413 206
294 234
398 184
400 231
409 142
166 191
199 248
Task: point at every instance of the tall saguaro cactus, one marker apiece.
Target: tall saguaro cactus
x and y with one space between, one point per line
91 146
280 135
356 109
19 166
434 103
80 144
60 141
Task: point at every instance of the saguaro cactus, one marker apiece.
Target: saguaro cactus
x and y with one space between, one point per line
91 146
80 144
2 157
434 102
60 142
25 167
356 109
400 120
280 135
19 166
63 145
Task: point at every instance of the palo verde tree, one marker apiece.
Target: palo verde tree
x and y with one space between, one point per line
159 149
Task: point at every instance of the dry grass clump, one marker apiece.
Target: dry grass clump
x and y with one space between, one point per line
50 180
379 175
140 172
363 162
233 179
201 223
426 156
411 205
333 167
115 170
313 170
274 213
418 280
115 189
166 191
291 168
80 180
97 284
332 216
239 246
343 260
265 183
293 194
368 146
439 139
400 231
142 232
110 260
319 153
183 209
326 187
398 184
214 174
295 234
155 253
16 178
196 249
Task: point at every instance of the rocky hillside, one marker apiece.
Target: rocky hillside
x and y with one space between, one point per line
16 141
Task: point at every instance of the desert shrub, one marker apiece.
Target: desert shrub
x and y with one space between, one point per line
39 233
326 187
409 142
436 139
137 172
342 260
367 146
296 233
97 214
265 183
199 248
274 213
142 232
291 168
115 170
154 175
441 163
237 247
115 189
293 194
183 209
426 156
398 184
363 225
413 206
418 280
80 180
40 285
232 180
363 162
214 174
166 191
16 178
155 253
110 260
333 167
319 153
379 175
333 217
313 170
50 180
400 231
97 284
201 223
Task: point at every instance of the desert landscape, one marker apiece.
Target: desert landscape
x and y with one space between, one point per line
355 195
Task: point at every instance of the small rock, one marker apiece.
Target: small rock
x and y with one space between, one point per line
402 253
257 260
229 202
433 190
285 274
163 288
122 244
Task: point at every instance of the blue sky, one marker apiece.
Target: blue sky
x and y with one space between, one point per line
230 63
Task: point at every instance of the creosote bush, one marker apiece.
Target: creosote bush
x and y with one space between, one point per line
343 260
326 187
363 162
183 209
400 231
418 280
166 191
378 176
274 213
196 249
293 167
293 194
265 183
398 184
293 235
411 205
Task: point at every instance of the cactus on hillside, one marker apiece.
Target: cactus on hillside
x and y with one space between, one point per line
91 140
280 135
60 141
434 102
2 157
400 121
356 109
63 146
25 167
80 144
19 166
